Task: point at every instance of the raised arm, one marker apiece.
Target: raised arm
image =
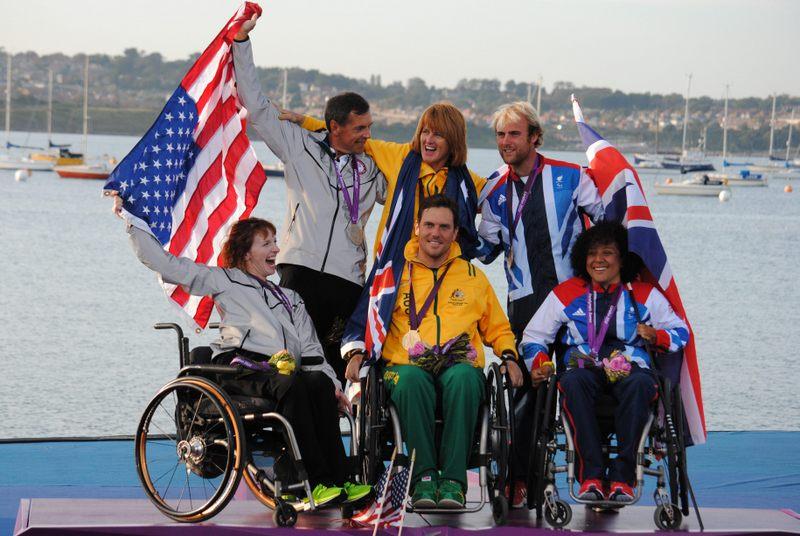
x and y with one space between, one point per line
588 197
283 138
197 279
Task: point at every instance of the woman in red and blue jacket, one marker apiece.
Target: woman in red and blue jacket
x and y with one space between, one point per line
599 309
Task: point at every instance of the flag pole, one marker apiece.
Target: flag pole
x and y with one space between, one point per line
405 495
385 492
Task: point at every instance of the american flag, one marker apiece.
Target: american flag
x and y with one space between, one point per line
195 172
624 201
389 506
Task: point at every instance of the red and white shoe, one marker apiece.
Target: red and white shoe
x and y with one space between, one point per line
591 490
621 492
520 499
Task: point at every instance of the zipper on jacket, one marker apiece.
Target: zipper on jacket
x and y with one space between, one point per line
330 233
435 310
294 217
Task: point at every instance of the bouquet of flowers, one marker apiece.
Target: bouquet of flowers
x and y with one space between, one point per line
617 366
437 359
284 362
578 359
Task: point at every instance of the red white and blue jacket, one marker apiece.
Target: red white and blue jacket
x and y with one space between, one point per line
549 224
566 306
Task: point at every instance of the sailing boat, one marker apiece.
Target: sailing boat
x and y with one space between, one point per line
85 171
689 160
15 161
58 154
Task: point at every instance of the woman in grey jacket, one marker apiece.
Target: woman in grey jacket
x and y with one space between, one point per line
259 319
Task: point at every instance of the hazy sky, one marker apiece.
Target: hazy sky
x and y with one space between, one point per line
631 45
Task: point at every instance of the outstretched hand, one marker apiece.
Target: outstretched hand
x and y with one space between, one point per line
343 402
117 207
246 28
288 115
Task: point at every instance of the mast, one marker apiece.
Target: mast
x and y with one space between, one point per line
658 127
789 139
539 97
285 81
725 127
49 104
8 96
686 116
772 124
85 105
530 87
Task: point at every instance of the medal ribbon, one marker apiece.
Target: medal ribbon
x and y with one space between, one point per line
596 338
415 317
276 291
352 204
526 193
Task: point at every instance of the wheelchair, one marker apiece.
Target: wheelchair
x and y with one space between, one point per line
661 451
200 436
378 430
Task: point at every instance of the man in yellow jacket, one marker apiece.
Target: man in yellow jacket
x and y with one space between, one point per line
441 298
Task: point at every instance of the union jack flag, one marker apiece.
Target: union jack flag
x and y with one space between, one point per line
624 201
195 172
383 280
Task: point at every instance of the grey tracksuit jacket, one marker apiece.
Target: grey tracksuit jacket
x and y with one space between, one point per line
252 318
314 230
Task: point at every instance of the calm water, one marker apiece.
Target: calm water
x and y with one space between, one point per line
77 309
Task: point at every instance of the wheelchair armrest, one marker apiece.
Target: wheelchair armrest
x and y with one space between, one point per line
214 369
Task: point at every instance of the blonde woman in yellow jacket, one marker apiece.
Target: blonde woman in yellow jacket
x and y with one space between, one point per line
441 140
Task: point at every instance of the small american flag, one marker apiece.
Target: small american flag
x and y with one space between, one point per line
195 172
624 201
388 508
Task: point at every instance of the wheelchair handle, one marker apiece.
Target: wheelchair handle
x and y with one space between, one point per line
183 342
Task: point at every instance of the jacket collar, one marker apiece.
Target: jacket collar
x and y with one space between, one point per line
412 248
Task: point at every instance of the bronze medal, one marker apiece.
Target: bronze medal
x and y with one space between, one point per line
355 233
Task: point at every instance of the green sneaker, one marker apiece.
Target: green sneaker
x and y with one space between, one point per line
424 495
323 494
451 495
356 492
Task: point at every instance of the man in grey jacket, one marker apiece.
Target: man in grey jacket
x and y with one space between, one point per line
331 189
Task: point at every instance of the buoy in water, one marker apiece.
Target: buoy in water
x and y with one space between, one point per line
724 195
668 181
788 188
21 175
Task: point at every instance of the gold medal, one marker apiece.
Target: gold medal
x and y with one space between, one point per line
411 338
355 233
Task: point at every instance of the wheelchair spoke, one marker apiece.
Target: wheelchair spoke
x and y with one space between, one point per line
194 417
157 427
172 470
189 489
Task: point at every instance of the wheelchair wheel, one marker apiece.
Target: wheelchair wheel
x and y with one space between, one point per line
560 515
543 423
284 515
664 520
369 421
189 449
499 431
500 510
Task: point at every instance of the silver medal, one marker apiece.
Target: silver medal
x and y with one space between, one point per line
355 233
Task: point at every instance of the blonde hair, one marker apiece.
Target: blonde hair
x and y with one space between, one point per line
446 119
516 111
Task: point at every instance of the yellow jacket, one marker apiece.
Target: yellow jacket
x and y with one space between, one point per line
389 158
465 303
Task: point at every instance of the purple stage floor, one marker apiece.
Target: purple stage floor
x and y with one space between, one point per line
139 517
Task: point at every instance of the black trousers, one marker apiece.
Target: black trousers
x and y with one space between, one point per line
329 300
308 402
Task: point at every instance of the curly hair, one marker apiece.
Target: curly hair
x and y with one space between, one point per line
604 234
240 240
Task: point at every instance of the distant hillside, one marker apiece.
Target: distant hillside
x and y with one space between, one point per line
127 92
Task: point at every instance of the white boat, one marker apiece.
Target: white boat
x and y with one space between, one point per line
693 186
689 161
744 178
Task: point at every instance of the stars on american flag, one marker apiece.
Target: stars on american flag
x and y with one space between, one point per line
147 191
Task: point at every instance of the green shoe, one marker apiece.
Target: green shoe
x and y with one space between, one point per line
356 492
451 495
424 495
323 494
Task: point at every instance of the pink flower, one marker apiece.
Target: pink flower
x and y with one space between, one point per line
472 354
417 350
617 367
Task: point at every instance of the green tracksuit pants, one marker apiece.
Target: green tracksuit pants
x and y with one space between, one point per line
414 393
